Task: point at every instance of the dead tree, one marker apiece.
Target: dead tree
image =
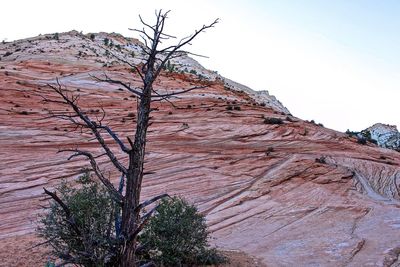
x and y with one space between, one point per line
127 196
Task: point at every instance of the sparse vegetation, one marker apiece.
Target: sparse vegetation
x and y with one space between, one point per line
8 53
321 160
361 140
106 41
269 150
177 236
273 121
84 229
351 133
362 137
169 67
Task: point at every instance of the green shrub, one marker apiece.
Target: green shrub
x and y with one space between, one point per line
361 140
50 264
177 235
91 214
269 150
106 41
273 121
169 67
362 137
321 160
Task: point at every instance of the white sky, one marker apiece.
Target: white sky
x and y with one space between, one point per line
337 62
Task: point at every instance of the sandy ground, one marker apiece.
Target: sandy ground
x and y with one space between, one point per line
26 253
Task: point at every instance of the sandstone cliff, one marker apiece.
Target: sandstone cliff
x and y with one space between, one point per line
291 194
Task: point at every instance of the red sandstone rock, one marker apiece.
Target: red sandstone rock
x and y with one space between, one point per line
260 185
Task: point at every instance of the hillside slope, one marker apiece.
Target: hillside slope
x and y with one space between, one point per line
293 194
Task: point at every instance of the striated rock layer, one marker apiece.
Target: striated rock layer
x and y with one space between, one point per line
291 194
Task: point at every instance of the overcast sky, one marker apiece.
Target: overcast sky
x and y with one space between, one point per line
337 62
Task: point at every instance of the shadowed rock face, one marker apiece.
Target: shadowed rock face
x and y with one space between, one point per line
293 194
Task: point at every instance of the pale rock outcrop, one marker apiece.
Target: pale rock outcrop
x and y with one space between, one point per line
386 135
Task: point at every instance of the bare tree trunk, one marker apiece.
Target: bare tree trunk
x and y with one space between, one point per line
130 214
132 222
128 258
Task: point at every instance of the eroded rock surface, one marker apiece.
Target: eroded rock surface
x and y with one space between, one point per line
385 135
293 194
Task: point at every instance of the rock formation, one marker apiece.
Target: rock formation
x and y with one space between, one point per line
289 194
385 135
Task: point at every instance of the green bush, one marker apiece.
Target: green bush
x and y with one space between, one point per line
273 121
106 41
237 108
169 67
91 214
50 264
177 235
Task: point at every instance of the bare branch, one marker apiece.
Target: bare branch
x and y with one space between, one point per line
163 98
142 32
59 201
130 142
93 126
178 93
183 42
126 62
115 137
144 220
66 210
150 201
144 23
110 187
127 86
